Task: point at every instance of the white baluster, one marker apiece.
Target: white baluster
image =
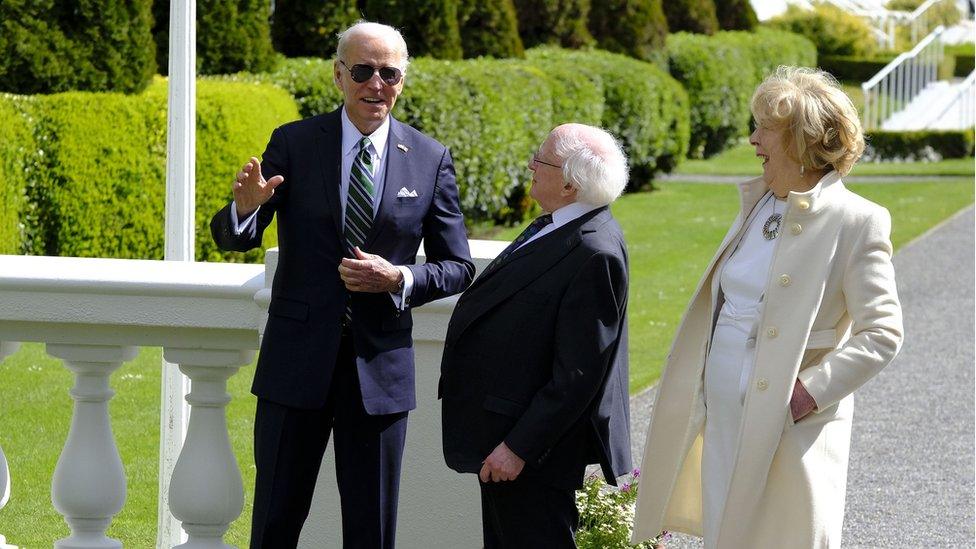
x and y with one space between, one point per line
206 492
88 487
7 348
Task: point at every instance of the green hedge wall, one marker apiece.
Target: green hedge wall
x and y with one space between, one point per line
721 72
98 183
16 144
852 68
926 145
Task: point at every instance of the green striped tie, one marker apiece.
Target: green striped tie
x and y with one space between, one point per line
359 203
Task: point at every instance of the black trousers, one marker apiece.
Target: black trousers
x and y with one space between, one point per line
288 448
528 514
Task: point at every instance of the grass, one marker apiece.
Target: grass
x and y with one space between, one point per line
742 160
671 234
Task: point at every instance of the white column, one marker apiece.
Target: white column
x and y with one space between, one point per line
180 223
206 493
7 348
88 487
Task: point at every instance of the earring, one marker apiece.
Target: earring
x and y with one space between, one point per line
801 169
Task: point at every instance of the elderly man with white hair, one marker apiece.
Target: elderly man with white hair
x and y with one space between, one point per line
534 373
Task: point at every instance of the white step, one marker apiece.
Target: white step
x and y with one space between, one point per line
935 107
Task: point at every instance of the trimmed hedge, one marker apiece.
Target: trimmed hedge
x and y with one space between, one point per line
489 28
721 72
16 144
310 27
636 28
644 107
736 15
98 185
963 57
430 27
831 29
851 68
97 45
696 16
554 22
927 145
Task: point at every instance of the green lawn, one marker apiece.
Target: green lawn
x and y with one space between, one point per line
671 235
742 160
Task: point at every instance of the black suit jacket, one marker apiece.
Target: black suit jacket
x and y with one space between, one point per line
308 300
536 356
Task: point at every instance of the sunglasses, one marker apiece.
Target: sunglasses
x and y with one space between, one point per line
360 73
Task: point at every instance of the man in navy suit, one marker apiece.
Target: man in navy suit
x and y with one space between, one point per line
355 191
534 372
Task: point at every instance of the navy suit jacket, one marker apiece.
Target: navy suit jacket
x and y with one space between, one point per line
536 356
308 298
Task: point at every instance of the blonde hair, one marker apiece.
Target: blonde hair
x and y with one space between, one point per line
822 127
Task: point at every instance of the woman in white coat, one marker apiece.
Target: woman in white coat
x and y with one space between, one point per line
751 427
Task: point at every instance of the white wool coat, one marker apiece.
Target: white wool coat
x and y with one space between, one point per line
832 319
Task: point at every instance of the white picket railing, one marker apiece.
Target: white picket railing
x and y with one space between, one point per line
900 81
921 18
960 113
93 314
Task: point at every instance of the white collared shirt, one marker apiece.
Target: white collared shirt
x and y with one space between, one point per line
562 216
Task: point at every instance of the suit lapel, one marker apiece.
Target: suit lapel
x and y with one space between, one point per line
328 145
395 164
524 266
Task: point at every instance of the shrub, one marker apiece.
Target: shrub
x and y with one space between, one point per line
942 13
831 29
554 22
98 45
719 79
489 28
606 515
851 68
232 35
98 187
636 28
926 145
310 27
16 146
644 107
430 27
691 16
770 48
735 15
963 57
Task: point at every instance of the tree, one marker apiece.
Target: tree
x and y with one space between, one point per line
232 36
310 28
636 28
735 15
489 28
51 46
430 27
554 22
691 15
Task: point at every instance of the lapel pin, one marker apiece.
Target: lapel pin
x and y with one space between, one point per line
403 147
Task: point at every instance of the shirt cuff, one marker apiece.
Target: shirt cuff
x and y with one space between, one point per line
402 299
237 225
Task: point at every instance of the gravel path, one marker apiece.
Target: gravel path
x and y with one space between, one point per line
910 482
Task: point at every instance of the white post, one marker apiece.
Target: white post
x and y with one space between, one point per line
180 208
88 487
7 348
206 492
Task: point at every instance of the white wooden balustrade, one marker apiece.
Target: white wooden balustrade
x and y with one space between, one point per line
93 314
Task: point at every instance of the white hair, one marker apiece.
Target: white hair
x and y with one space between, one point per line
594 163
374 30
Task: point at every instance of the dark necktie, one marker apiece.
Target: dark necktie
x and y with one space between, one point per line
359 202
533 229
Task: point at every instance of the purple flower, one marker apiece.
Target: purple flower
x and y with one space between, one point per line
636 472
625 487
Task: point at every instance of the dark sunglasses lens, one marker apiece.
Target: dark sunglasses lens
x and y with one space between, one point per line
361 73
390 75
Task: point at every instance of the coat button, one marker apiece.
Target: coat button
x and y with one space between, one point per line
762 384
803 204
771 332
796 228
784 280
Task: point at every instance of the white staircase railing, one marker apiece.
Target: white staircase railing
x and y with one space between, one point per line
900 81
920 20
962 107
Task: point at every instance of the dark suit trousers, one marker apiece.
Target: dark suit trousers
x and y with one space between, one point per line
288 448
528 514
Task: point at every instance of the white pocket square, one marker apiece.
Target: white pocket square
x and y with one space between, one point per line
404 193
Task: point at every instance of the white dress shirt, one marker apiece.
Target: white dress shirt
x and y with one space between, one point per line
561 217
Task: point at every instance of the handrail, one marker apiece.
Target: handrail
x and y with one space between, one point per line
919 16
964 95
901 80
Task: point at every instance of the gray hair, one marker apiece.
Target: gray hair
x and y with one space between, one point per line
374 30
594 163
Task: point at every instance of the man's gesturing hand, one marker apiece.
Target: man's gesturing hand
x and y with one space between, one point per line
501 464
250 188
369 273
